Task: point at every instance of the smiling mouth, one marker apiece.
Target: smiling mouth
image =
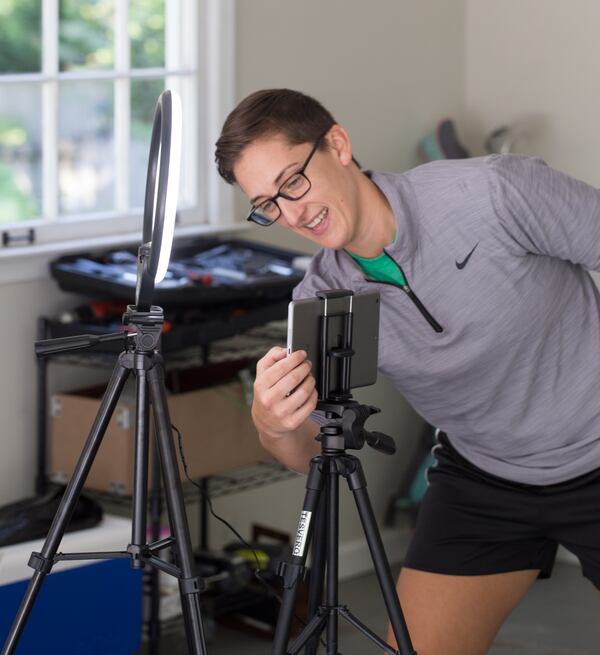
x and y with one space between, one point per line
318 219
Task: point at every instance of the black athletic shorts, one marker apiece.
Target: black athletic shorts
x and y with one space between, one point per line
474 523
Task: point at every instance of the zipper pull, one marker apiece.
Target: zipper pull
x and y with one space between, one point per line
413 296
428 317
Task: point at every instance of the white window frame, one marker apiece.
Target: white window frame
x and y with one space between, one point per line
207 54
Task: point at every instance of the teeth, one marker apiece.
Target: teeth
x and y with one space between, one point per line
318 219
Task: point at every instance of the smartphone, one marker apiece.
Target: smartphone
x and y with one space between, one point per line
304 333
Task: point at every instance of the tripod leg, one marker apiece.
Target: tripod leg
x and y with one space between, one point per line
292 571
358 486
332 556
310 632
152 575
189 584
44 561
317 570
140 506
140 473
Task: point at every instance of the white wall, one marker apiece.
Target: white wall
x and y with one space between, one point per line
21 305
534 64
386 69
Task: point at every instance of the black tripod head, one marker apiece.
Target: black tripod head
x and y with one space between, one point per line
346 430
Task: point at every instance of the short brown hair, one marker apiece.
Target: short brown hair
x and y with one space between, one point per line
300 118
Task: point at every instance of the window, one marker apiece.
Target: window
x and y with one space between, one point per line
78 85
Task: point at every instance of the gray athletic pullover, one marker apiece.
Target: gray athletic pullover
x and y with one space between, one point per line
496 249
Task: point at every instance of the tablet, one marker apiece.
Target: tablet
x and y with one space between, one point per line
304 333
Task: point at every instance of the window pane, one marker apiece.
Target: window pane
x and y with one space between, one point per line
86 34
147 33
20 152
20 36
144 94
86 147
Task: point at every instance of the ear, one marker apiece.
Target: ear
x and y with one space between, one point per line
339 142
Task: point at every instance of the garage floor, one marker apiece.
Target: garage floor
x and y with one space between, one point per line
560 616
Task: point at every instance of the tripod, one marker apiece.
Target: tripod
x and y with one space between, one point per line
325 471
142 357
345 430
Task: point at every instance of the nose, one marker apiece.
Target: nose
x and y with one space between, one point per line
292 211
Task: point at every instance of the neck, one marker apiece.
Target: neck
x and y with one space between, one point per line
376 225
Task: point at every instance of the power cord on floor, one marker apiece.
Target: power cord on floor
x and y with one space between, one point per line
257 572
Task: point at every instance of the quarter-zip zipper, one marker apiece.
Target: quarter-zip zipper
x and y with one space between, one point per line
411 294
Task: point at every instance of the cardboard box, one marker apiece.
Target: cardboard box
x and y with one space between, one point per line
215 422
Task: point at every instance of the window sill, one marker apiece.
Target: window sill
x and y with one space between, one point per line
26 263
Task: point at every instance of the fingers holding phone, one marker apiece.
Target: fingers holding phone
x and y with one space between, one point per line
284 391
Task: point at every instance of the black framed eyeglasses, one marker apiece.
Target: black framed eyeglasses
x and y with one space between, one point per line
295 187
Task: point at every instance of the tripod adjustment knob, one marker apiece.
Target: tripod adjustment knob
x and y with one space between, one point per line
291 573
381 442
40 563
191 585
147 341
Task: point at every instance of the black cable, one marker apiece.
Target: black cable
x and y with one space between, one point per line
257 573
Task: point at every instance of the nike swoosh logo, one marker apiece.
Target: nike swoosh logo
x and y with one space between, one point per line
461 265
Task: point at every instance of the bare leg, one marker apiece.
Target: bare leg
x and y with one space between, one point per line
458 615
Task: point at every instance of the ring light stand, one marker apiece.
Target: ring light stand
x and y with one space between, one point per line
141 356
